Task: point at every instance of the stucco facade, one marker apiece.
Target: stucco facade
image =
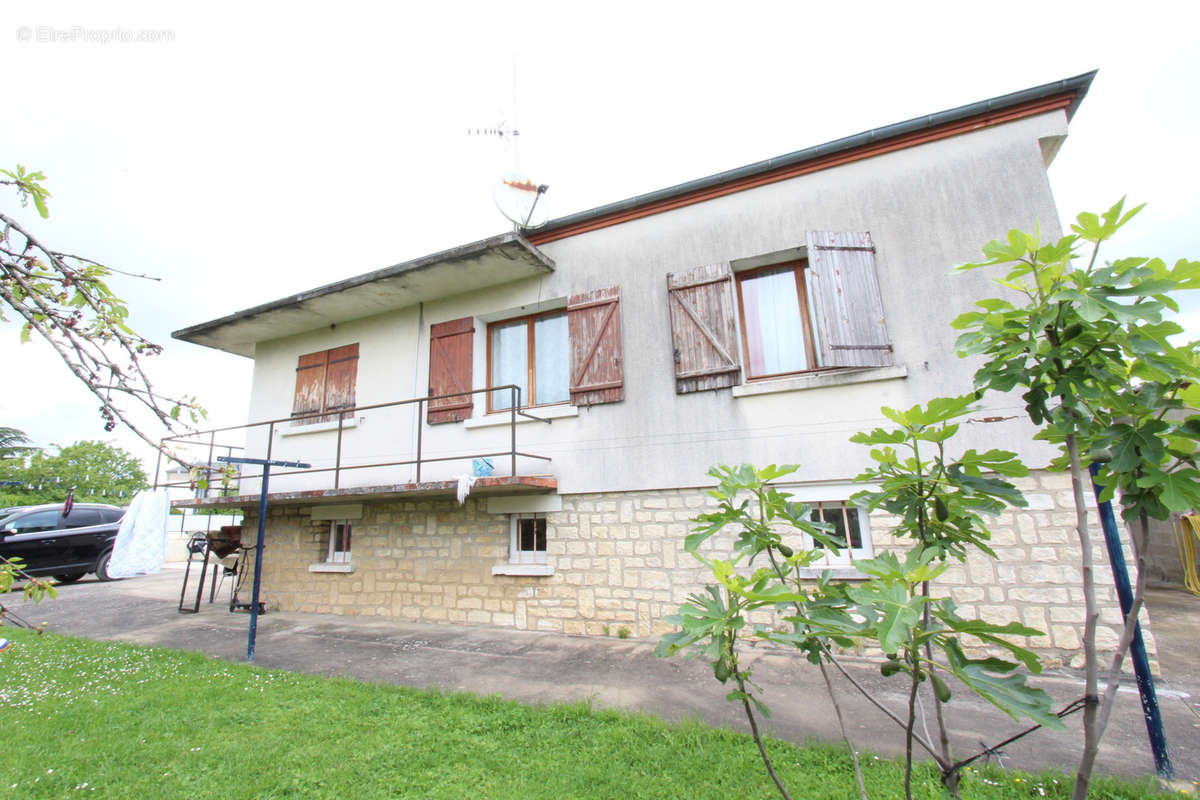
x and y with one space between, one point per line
603 550
927 208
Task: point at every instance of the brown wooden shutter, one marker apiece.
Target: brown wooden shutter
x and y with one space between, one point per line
341 374
845 295
451 349
310 385
597 361
703 328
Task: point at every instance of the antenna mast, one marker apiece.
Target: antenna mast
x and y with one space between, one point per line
517 197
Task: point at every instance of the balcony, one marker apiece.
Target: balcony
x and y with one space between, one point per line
375 453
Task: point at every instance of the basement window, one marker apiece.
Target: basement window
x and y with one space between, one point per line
527 546
337 553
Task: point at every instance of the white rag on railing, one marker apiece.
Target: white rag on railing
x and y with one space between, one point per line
465 482
141 543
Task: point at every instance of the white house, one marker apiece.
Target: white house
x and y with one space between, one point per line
759 315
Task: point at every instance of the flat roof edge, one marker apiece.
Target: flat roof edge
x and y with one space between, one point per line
189 333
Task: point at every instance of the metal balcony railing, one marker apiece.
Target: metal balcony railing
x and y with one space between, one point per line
209 439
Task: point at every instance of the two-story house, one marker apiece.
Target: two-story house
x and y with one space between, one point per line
763 315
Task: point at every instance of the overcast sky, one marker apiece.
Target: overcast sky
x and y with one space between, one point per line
245 154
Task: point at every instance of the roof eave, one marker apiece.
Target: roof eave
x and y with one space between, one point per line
488 262
1074 89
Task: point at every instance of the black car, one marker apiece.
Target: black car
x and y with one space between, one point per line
65 546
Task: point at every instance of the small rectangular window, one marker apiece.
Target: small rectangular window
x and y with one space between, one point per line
528 544
850 531
339 542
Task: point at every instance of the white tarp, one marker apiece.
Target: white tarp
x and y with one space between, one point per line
141 543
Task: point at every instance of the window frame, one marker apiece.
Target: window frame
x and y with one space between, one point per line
848 555
332 554
530 358
515 553
798 267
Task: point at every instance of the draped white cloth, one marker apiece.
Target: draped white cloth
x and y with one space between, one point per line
465 482
141 544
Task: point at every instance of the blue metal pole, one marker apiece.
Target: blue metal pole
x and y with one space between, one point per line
1137 649
258 559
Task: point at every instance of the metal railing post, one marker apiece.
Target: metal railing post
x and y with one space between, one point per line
337 461
270 439
158 461
420 426
516 401
212 438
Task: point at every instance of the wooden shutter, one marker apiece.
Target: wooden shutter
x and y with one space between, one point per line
310 385
341 374
703 328
451 349
845 296
597 361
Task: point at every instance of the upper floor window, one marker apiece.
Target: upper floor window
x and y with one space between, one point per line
325 383
811 309
534 354
777 336
564 355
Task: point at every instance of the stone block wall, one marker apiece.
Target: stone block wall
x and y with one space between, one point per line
619 563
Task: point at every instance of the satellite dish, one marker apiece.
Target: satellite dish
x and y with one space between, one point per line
522 201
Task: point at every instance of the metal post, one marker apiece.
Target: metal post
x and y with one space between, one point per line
516 401
258 559
212 441
158 462
337 462
1137 648
420 427
262 528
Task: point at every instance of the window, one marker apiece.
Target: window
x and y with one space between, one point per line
850 530
339 542
528 543
801 310
82 518
36 523
325 383
563 355
776 332
532 353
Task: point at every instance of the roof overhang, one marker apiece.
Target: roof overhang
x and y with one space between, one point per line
489 262
1064 95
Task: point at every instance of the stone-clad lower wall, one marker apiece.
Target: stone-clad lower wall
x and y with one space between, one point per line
619 563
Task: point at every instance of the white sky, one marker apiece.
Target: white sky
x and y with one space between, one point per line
264 151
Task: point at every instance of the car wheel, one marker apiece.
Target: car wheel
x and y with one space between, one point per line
69 577
102 568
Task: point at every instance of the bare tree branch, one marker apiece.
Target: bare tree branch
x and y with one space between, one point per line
64 299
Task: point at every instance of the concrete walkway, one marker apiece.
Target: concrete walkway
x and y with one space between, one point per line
610 672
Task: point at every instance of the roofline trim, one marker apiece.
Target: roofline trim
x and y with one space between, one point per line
1063 95
187 334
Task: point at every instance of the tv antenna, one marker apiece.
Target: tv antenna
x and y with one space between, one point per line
519 198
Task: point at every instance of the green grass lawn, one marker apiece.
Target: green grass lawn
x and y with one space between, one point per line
100 719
